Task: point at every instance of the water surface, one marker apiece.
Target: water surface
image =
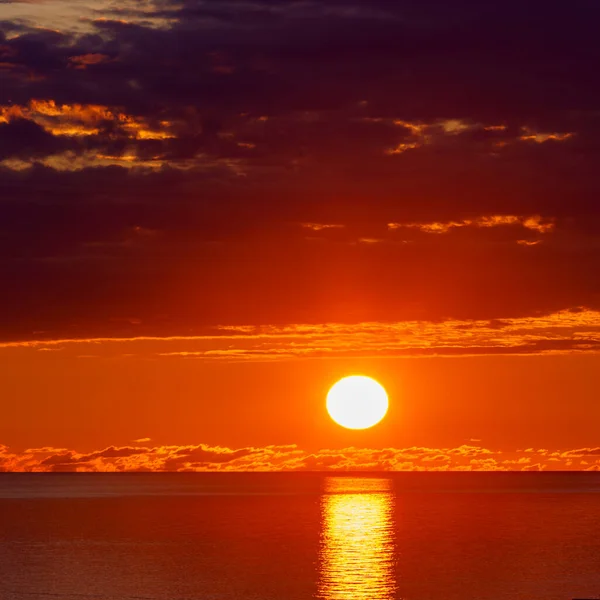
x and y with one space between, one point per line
296 536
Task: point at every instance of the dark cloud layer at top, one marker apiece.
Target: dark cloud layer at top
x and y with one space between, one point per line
181 164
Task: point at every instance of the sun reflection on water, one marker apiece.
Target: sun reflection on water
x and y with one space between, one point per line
357 540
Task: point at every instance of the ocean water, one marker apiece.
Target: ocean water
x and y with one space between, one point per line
297 536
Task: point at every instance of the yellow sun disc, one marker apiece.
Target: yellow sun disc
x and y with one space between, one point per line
357 402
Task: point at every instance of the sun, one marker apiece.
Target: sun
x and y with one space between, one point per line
357 402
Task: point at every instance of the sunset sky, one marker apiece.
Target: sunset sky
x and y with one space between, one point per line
212 210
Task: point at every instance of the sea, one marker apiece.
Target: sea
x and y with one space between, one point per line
300 536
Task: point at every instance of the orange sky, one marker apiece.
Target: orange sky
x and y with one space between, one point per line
196 243
69 398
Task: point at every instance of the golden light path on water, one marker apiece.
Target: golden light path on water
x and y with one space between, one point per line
357 554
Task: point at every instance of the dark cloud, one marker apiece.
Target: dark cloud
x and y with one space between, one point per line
23 139
172 185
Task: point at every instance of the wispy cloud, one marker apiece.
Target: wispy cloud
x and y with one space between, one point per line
442 132
576 330
83 119
321 226
530 135
534 223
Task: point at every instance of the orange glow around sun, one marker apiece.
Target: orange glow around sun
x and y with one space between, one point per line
357 402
